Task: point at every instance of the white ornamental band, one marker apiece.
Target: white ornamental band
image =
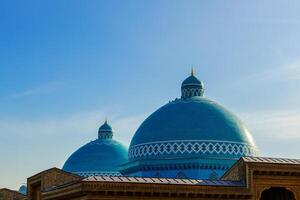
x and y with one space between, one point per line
98 173
199 147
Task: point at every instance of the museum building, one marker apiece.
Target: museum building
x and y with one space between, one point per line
190 148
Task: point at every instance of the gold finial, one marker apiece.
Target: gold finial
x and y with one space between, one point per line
193 71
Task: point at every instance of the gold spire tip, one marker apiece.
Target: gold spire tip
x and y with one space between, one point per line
193 71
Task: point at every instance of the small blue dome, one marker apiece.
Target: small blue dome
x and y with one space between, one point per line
191 80
191 87
105 127
23 189
96 157
99 157
105 131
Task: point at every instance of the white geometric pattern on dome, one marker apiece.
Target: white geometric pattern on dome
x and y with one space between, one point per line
191 147
95 173
191 92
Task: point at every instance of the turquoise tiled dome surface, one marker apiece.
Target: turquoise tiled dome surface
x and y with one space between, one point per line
99 157
192 127
192 137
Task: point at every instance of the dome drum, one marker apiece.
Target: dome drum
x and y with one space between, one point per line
178 168
191 91
191 87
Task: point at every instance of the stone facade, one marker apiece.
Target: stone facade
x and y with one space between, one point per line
6 194
250 178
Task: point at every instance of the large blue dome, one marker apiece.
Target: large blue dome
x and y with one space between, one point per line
209 128
102 156
191 137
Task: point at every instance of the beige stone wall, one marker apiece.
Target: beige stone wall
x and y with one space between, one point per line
6 194
257 176
54 178
264 182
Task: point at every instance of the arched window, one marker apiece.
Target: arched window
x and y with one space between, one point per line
277 193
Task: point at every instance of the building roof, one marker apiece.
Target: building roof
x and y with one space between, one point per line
271 160
123 179
240 184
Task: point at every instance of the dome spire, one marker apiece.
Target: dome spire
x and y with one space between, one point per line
192 71
191 86
105 131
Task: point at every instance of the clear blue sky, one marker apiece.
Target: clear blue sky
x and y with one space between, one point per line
66 64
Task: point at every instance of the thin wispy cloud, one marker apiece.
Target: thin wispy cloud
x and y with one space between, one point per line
126 127
280 124
271 21
66 134
276 132
285 73
290 72
40 89
84 123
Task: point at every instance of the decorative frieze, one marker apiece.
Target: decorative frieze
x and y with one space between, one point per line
190 147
